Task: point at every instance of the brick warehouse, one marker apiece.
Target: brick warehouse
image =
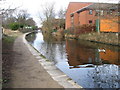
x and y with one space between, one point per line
79 13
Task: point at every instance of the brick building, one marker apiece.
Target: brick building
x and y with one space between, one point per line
79 13
72 18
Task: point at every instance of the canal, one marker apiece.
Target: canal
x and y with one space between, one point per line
91 65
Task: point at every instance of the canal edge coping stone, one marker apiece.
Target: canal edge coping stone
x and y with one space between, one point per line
53 71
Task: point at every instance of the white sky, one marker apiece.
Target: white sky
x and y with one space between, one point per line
35 6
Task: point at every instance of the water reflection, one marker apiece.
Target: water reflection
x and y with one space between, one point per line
105 76
110 57
82 52
51 48
82 60
49 38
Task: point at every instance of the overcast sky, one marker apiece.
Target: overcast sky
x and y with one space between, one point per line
35 6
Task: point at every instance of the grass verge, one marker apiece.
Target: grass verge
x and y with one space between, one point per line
7 56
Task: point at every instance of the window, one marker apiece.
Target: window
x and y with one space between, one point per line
102 13
72 21
90 21
97 13
109 12
90 12
118 13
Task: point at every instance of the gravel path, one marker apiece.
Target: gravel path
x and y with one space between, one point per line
26 72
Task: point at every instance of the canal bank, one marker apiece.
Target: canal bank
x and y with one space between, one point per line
81 61
105 38
26 70
61 79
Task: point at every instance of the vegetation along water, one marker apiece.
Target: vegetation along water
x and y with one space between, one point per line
89 64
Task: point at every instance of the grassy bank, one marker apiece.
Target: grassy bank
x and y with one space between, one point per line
7 54
106 38
7 58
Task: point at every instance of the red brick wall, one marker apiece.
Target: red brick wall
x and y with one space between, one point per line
73 7
76 19
82 17
90 17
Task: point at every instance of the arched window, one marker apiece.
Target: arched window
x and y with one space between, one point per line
90 12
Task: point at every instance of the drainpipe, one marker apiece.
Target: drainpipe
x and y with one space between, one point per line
98 25
98 21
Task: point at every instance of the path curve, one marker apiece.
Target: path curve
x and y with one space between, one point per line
26 72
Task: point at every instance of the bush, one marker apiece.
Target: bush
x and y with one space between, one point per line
54 30
14 26
21 25
82 29
34 27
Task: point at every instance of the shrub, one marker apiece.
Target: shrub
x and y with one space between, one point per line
14 26
54 30
85 28
34 27
21 25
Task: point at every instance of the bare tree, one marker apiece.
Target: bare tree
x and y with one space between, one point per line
61 13
6 13
61 16
30 22
22 16
48 17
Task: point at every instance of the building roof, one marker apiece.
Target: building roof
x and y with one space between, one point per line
99 6
83 9
103 6
74 6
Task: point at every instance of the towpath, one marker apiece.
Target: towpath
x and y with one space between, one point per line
26 72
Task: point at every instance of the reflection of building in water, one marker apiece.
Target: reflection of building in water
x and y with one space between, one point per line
79 54
110 57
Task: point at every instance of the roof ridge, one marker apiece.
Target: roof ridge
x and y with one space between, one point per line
81 2
94 2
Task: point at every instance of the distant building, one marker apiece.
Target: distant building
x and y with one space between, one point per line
79 13
28 27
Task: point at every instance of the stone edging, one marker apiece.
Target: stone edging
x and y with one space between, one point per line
54 72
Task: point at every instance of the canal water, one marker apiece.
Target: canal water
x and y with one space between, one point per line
91 65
